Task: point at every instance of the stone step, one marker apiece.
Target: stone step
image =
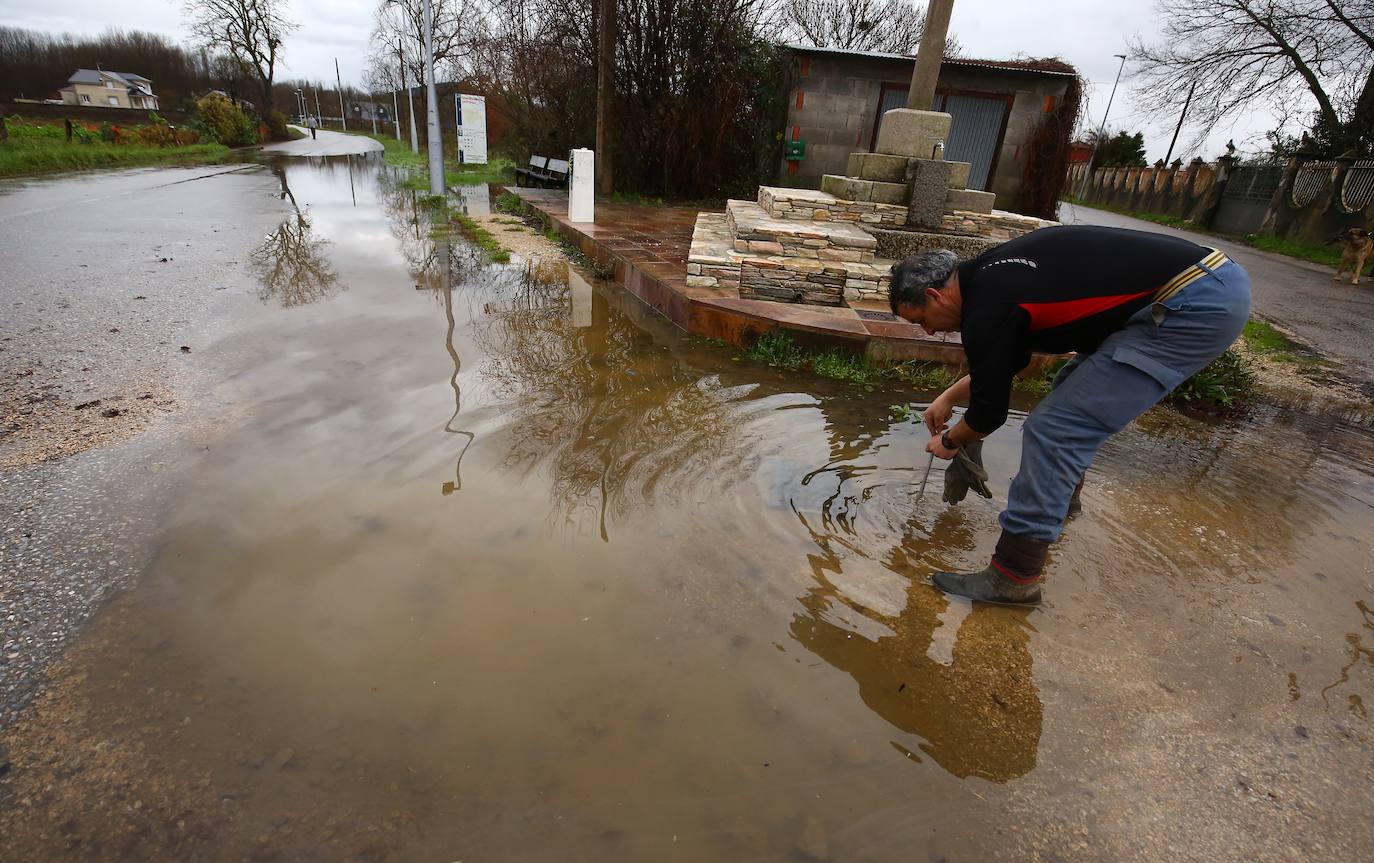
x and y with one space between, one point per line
797 275
897 245
812 205
879 167
908 132
864 191
969 201
958 174
754 229
799 280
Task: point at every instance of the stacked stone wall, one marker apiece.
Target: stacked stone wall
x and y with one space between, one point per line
997 225
810 206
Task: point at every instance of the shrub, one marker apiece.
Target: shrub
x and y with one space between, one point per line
225 122
156 135
276 126
1226 382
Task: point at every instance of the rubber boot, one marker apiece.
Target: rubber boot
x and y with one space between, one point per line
1075 502
1012 578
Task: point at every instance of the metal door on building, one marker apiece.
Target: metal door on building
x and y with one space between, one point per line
975 133
1246 198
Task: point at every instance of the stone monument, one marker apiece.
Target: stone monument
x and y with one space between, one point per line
837 245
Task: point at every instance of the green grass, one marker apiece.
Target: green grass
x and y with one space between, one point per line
1265 340
24 157
777 350
397 153
1039 385
1328 255
481 238
509 202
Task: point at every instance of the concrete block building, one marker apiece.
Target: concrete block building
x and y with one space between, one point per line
836 98
102 89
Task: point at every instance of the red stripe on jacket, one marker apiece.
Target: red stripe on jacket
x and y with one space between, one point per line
1045 316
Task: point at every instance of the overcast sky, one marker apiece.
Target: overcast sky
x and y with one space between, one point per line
1084 32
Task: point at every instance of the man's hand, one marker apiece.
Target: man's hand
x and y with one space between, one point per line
936 417
936 445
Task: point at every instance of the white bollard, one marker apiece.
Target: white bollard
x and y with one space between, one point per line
581 291
582 187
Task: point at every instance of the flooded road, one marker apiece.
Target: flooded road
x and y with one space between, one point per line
470 562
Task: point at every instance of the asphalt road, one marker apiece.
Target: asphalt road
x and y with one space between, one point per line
327 144
1336 318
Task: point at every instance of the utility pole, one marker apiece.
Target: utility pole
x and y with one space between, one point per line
435 140
1101 130
605 94
317 103
410 98
343 115
1186 102
395 115
931 52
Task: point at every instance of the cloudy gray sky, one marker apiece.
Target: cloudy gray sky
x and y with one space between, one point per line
1085 32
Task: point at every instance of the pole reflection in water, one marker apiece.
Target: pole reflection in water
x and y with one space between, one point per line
444 258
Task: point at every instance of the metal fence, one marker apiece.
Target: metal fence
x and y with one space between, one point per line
1254 183
1309 180
1357 192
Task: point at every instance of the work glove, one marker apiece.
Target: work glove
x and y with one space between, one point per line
966 472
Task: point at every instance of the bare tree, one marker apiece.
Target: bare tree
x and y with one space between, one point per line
1244 54
890 26
249 31
456 25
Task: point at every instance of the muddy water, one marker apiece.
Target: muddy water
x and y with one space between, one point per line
483 563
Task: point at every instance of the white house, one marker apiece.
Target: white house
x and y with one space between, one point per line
109 90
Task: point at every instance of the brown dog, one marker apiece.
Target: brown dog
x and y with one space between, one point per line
1356 247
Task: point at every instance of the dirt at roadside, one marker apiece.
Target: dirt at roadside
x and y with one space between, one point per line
46 416
1306 377
519 238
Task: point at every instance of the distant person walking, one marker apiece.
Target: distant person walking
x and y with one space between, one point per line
313 123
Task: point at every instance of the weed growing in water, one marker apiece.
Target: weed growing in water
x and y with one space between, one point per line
1227 382
482 238
778 350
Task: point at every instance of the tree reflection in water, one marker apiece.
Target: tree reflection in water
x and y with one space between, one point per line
290 263
615 418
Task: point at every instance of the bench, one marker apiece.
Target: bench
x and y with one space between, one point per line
543 171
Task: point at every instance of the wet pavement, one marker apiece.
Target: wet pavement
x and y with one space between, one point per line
451 561
1335 317
325 143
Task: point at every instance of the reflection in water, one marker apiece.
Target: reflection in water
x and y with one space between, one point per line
292 263
616 419
980 713
444 258
318 644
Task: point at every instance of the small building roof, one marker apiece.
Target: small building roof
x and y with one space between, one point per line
1049 66
96 76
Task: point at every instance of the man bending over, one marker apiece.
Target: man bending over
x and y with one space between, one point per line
1142 312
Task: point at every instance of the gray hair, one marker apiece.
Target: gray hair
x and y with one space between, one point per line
911 277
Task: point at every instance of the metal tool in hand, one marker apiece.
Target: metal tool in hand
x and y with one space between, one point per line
930 462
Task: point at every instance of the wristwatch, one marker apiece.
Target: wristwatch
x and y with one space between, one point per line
945 441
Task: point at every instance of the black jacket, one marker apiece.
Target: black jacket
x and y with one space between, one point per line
1055 290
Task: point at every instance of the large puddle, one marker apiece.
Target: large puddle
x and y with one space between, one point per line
486 564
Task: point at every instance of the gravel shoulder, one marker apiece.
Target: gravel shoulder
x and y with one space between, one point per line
113 281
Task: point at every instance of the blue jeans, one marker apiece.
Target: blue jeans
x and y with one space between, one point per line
1097 394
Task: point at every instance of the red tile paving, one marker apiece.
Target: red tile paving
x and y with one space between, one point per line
647 247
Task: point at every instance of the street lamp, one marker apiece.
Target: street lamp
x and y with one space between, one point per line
1101 130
